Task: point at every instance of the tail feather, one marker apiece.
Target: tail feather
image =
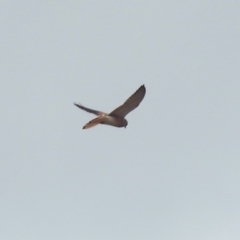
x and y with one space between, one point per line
92 123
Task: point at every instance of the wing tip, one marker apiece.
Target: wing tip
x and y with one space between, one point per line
77 104
143 88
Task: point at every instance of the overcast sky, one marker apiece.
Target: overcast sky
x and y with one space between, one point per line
173 173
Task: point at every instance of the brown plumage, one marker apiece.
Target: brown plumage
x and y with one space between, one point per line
117 117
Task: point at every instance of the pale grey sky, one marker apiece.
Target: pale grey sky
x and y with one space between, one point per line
173 173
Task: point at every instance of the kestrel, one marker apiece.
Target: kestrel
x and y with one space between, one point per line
116 118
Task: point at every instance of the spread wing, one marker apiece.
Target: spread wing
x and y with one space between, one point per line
130 104
98 113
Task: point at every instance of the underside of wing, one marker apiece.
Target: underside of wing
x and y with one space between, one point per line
96 112
131 103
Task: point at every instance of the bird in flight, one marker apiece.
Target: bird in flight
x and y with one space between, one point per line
116 118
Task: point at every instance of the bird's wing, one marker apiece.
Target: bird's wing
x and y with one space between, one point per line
98 113
131 103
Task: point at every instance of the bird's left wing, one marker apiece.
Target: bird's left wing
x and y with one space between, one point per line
131 103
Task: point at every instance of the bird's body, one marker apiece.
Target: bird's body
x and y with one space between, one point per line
117 117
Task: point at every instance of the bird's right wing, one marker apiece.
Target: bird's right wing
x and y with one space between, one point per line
98 113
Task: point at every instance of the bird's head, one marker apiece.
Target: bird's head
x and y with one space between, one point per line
125 123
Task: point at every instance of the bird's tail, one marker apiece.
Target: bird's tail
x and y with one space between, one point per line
93 123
